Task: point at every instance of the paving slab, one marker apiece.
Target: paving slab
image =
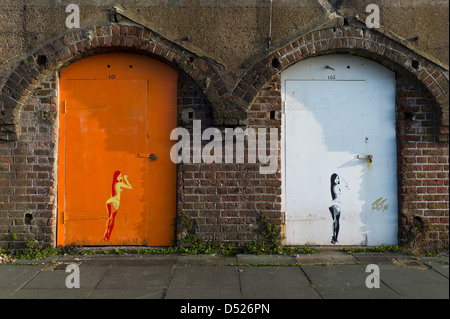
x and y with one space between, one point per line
440 265
139 277
345 282
270 282
265 259
269 276
377 258
121 260
204 277
6 292
92 260
35 262
199 260
327 257
413 282
147 260
55 277
14 276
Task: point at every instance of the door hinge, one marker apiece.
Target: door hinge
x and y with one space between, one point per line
283 107
62 217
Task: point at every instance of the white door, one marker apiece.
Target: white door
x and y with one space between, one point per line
339 168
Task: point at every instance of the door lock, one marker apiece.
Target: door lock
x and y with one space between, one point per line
365 157
153 157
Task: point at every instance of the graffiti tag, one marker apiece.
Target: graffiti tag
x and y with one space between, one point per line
380 204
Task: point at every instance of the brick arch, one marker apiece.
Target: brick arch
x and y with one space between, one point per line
358 41
81 43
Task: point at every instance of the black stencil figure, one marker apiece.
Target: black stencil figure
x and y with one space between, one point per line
335 207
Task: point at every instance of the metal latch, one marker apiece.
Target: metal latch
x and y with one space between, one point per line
153 157
365 157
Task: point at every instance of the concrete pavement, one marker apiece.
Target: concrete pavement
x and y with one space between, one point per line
328 275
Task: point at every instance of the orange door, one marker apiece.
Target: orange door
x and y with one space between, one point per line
117 185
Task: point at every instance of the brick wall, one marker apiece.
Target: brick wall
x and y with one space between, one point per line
422 167
28 172
224 200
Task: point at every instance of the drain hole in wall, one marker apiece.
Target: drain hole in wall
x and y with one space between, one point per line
41 60
409 116
272 115
276 63
28 219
